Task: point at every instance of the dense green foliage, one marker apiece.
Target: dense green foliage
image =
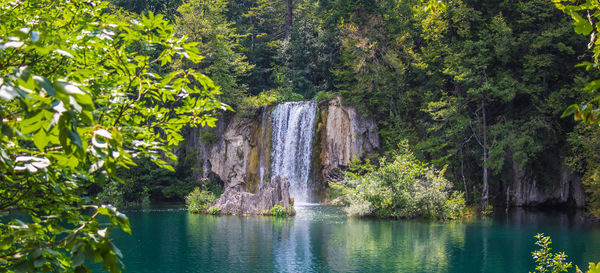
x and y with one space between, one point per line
585 15
198 201
586 160
145 183
79 99
402 188
478 86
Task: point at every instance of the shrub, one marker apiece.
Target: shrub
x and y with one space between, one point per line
278 211
145 196
402 188
198 200
245 108
213 211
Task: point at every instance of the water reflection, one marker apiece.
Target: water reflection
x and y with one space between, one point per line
322 239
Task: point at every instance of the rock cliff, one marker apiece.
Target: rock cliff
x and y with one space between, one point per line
276 192
342 135
565 190
239 151
235 151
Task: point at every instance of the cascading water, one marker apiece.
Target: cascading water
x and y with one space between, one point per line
293 126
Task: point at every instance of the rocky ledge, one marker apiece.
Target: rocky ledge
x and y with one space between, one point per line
270 194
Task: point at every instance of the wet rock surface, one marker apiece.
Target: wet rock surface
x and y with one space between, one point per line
276 192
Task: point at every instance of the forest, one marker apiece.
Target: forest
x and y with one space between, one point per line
477 86
486 98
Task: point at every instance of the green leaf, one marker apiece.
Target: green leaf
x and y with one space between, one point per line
75 138
582 26
570 110
45 85
24 73
40 140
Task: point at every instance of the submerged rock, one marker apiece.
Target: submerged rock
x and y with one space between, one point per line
270 194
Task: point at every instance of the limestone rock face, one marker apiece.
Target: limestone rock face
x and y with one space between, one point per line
344 134
238 154
276 192
228 157
566 190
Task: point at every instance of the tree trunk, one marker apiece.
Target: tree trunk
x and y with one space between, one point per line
484 192
288 18
462 172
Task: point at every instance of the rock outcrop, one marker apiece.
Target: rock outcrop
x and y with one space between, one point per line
343 134
276 192
566 190
237 152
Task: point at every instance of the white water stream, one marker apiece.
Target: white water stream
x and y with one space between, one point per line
293 127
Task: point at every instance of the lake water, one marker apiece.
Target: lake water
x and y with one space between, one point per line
323 239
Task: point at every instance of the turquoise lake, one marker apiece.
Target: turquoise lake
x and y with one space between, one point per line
323 239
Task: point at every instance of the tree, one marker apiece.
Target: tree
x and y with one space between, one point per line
79 98
166 7
204 22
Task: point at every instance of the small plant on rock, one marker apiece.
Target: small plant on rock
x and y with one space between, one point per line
279 211
213 211
198 200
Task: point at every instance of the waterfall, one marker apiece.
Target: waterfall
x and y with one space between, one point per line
293 126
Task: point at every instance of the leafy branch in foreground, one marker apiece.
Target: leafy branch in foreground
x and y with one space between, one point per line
79 98
546 261
585 16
